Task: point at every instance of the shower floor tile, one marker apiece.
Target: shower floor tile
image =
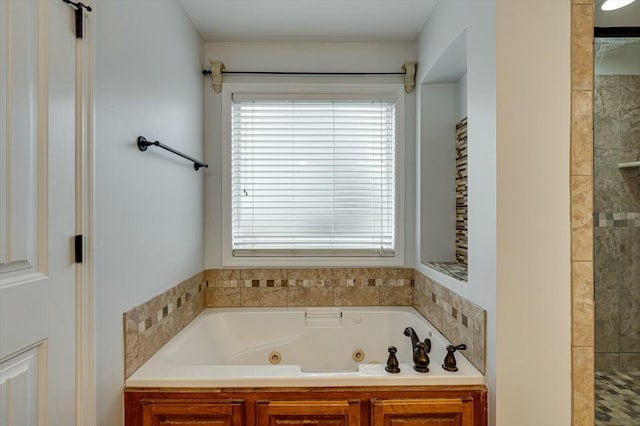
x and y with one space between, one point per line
617 398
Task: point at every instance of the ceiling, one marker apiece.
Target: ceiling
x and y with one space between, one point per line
628 16
309 20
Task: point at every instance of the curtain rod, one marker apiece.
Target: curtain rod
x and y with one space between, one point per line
208 72
217 71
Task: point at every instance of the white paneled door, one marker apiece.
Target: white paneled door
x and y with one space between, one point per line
39 211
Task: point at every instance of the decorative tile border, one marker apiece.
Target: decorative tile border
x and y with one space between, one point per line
148 326
617 220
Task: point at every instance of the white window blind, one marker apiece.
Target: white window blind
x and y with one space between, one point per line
313 177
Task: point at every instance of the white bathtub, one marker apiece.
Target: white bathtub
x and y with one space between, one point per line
231 347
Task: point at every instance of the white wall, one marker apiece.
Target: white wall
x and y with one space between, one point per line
462 97
533 246
448 22
148 205
297 57
438 116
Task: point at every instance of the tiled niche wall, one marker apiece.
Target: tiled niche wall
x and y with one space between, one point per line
150 325
462 227
617 222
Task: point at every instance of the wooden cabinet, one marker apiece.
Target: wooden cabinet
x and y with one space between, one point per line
337 406
422 412
192 413
308 413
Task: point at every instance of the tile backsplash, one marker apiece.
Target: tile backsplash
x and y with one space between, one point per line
150 325
309 287
460 320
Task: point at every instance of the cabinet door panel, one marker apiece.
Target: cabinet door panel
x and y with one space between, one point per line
308 413
422 412
193 413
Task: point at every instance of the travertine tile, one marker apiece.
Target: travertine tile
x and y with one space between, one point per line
396 296
310 296
582 304
582 47
454 332
479 339
151 324
223 297
582 243
582 378
582 133
222 277
356 296
301 274
458 319
131 345
581 201
261 296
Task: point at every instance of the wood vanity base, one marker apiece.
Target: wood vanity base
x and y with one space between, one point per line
344 406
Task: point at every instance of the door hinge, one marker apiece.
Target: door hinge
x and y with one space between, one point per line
79 15
78 248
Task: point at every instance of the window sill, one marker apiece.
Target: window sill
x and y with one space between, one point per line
312 262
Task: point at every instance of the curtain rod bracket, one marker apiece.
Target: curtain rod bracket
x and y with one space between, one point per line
409 76
216 75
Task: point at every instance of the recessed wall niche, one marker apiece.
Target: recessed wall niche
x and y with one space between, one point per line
443 112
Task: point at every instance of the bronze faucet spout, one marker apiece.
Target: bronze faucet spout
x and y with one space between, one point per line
410 332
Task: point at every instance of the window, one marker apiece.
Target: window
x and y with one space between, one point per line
313 175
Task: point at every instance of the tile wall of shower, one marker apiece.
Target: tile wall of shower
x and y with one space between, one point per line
617 222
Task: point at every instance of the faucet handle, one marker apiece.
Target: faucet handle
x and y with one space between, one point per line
392 362
427 345
450 360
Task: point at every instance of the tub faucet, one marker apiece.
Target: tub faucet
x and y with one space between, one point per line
410 332
420 350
